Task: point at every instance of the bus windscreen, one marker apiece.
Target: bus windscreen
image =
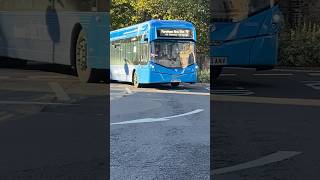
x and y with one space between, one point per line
173 54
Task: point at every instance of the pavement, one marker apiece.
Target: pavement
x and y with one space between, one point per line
160 132
51 125
265 125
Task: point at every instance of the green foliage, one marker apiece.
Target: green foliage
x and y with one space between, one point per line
204 76
300 46
129 12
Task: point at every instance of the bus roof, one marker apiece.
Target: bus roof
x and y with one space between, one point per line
149 29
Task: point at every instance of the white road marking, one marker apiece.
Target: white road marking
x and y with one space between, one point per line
114 95
312 84
314 74
149 120
181 90
5 116
128 91
272 158
287 74
295 70
60 93
235 92
121 93
265 100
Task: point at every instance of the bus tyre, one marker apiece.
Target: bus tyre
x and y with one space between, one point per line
85 73
175 84
216 72
135 81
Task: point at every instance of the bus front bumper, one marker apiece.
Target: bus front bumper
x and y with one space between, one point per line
148 76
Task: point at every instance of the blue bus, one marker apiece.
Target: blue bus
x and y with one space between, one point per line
244 33
156 51
67 32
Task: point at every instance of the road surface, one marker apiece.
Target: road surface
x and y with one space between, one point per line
51 125
265 125
160 132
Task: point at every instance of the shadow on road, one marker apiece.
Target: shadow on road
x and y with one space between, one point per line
248 83
162 87
55 68
19 65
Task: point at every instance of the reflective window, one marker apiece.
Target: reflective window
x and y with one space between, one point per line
237 10
130 51
173 53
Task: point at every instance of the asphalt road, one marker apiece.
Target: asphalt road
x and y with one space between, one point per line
51 125
160 132
265 125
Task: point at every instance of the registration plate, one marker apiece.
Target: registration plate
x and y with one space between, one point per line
219 61
176 81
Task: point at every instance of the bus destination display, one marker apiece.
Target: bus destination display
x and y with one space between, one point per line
176 33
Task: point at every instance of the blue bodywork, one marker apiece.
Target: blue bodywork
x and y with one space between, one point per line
252 42
98 57
152 72
46 36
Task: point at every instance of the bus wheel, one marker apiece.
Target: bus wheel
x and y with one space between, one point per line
216 72
135 81
85 73
175 84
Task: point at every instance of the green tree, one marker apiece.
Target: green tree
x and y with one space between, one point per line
128 12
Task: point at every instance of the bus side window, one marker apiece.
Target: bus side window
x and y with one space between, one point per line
136 52
117 52
122 52
144 53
